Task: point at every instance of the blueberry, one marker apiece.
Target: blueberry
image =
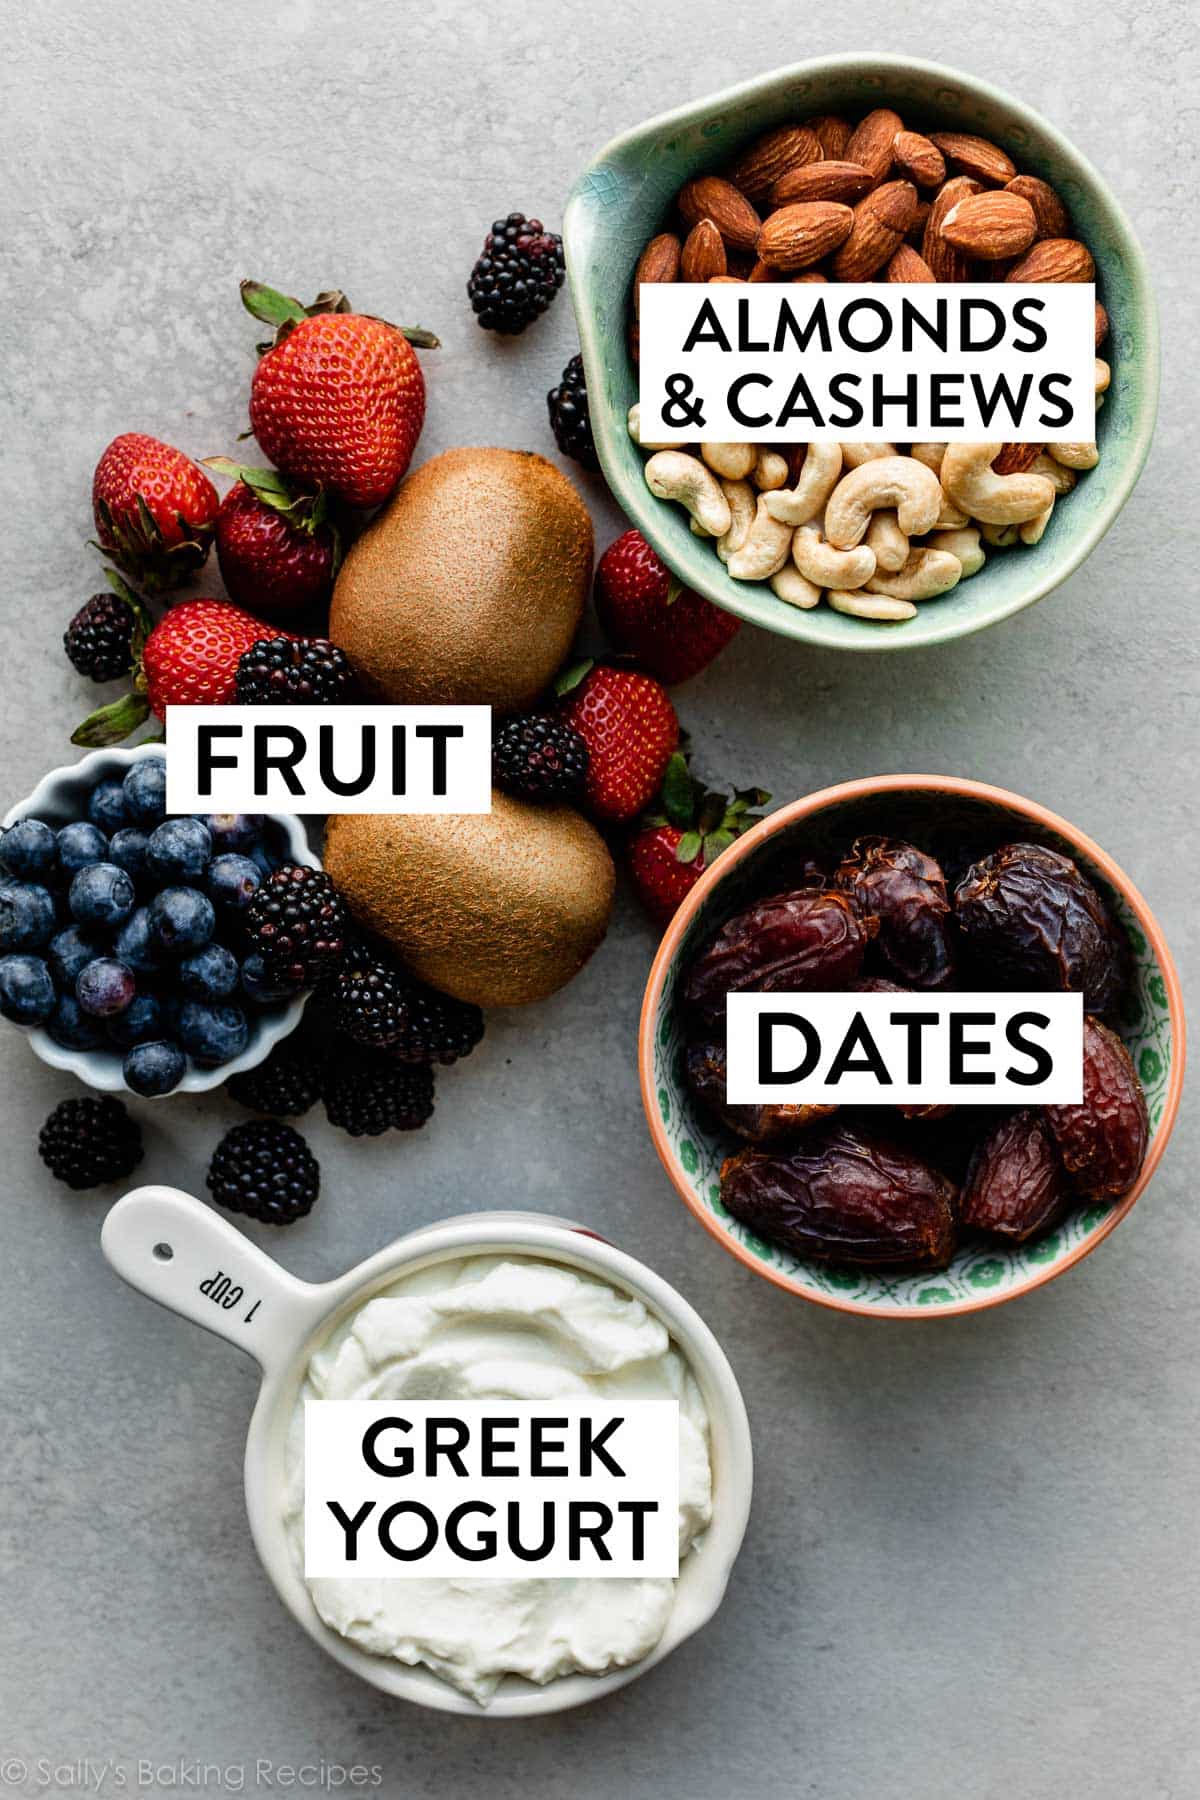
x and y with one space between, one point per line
145 786
212 1034
258 986
80 845
233 831
26 915
181 919
154 1068
264 858
127 848
101 894
29 850
71 1027
26 990
67 953
106 806
136 943
139 1023
212 974
105 987
179 850
233 880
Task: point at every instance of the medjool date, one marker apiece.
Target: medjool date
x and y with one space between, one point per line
837 1196
790 943
1103 1142
1032 919
906 891
704 1067
1016 1185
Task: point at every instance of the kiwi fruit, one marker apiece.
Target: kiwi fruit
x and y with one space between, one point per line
469 586
498 908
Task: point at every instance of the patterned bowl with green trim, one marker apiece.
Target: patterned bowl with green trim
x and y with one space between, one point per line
945 815
627 193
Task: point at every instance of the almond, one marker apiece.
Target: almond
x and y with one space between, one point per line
916 230
708 197
947 263
871 144
822 181
975 156
919 158
812 277
703 253
1048 209
1055 259
880 222
1101 324
658 262
906 265
832 132
757 169
761 272
797 236
991 225
736 280
1015 459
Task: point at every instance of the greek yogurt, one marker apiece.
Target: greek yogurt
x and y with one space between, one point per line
489 1327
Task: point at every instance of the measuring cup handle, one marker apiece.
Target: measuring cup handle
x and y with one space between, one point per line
184 1255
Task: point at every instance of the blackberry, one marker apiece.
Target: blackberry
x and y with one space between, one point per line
367 998
286 1084
366 1095
570 420
88 1142
266 1171
294 672
297 923
539 758
434 1027
99 639
517 276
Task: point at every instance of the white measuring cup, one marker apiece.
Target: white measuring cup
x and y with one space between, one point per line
187 1257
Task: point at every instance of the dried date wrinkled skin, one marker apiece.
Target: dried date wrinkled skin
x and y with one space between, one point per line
792 942
1016 1185
1103 1142
906 891
704 1068
1032 919
837 1196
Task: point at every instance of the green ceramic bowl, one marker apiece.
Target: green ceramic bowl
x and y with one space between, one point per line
627 193
940 813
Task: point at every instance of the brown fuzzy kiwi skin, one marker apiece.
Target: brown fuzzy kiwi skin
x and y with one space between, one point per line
469 586
499 908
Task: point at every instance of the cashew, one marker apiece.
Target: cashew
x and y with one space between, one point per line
855 455
998 536
1061 479
1032 530
886 539
929 454
818 478
925 575
673 475
635 431
790 585
733 461
818 561
950 517
1075 456
871 606
765 550
740 496
883 481
1103 375
964 544
770 471
972 484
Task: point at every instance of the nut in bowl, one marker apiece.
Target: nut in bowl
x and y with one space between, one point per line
849 169
958 1246
124 950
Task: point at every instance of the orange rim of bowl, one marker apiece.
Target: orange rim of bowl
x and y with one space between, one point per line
804 808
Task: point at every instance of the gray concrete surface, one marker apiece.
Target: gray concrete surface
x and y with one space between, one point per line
970 1570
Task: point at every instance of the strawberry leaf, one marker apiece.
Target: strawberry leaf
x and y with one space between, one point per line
109 724
570 678
689 847
678 791
715 842
269 306
674 589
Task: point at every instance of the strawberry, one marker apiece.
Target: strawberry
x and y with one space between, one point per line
277 549
671 630
629 726
154 510
674 844
338 400
189 659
